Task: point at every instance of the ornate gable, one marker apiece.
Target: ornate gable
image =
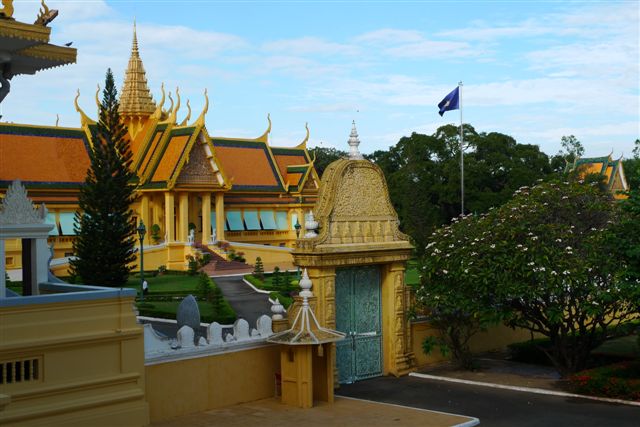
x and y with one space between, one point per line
199 169
354 210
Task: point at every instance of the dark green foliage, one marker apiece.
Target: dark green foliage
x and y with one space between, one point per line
155 234
286 281
217 300
632 168
423 175
626 238
544 261
325 156
104 246
258 269
205 290
621 380
276 279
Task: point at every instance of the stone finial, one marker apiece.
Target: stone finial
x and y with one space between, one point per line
305 285
310 225
277 309
354 142
17 208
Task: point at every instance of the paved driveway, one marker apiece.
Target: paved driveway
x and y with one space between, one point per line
494 407
247 303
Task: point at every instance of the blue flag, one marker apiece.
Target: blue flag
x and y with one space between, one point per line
450 102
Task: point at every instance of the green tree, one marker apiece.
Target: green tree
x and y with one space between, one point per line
571 148
626 238
204 287
104 246
258 269
217 300
632 167
276 279
325 156
423 175
545 261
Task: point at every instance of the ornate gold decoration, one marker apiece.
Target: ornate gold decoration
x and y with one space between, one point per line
84 119
200 120
45 15
157 114
7 10
98 104
303 144
265 136
198 169
174 112
186 119
135 97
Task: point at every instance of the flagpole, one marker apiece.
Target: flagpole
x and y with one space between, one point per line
461 151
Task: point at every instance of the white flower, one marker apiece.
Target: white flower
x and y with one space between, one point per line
566 272
534 238
518 245
553 273
474 253
568 248
445 272
493 246
466 270
559 240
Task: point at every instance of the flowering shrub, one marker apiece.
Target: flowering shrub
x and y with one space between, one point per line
621 380
543 261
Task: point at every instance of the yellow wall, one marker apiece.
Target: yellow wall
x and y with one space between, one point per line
497 337
193 385
91 363
271 256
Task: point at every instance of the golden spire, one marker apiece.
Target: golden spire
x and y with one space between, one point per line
135 98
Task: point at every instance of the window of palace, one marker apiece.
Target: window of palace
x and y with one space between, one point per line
268 220
281 220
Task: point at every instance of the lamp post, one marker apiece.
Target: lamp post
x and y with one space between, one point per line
142 230
297 227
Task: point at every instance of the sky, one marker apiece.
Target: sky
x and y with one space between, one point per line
535 70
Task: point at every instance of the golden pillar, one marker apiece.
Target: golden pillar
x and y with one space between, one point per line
220 216
144 216
183 217
169 219
206 218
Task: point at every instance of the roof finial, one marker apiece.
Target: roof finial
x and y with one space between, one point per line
353 142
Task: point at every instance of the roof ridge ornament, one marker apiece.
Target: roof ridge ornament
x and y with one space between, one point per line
354 142
186 119
200 120
265 136
84 119
158 113
303 144
174 113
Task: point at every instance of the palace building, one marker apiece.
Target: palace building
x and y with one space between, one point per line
195 189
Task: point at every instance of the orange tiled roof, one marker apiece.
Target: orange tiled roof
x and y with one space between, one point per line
172 153
248 165
153 145
41 154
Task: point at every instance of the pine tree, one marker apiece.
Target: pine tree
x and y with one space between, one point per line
258 269
276 280
104 246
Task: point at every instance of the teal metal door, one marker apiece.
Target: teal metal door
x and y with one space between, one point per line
358 315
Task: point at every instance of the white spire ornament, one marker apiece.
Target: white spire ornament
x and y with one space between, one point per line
353 142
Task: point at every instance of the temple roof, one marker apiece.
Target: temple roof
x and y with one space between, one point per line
135 97
612 170
42 156
249 164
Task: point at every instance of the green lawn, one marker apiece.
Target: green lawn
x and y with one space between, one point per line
166 283
167 310
275 291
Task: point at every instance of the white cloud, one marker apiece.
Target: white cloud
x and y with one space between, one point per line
309 45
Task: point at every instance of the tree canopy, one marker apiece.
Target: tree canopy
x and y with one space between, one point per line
104 247
547 261
495 166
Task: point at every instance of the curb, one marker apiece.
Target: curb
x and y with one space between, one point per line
525 389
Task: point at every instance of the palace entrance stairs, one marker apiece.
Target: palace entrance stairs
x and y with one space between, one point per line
218 266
